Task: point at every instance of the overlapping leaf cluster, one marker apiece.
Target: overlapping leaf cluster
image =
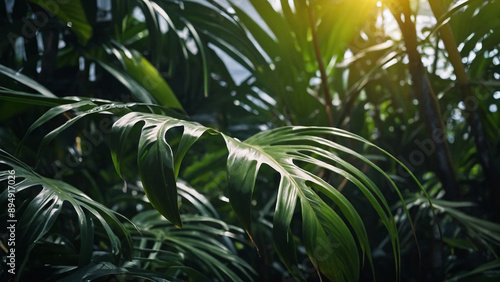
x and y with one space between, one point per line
242 69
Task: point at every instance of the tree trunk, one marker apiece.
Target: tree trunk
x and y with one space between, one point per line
428 102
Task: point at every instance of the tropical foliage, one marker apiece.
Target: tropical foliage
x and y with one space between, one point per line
370 140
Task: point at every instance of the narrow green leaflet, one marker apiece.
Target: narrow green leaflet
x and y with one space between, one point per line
26 81
96 270
7 94
201 48
154 30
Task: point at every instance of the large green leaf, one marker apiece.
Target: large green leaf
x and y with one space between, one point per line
155 158
324 231
72 13
327 238
137 74
147 75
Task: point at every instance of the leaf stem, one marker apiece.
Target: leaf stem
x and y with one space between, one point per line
322 70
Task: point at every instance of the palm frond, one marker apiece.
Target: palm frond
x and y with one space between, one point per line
485 234
293 152
493 267
281 149
37 215
199 247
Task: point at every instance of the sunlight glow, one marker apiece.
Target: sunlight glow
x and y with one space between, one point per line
390 25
